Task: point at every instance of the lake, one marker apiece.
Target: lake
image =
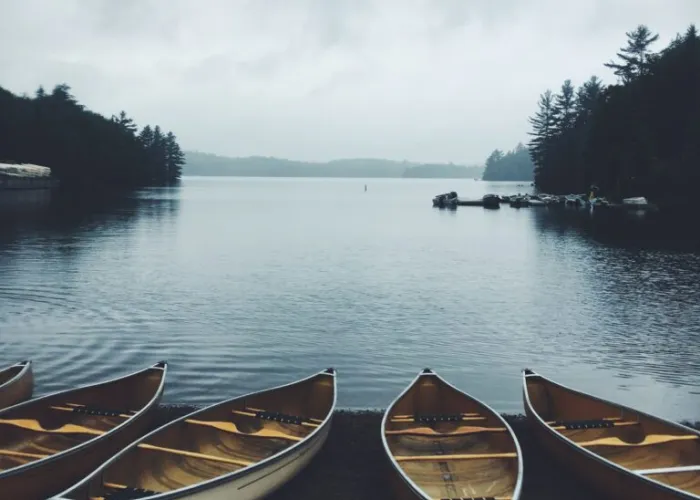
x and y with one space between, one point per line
246 283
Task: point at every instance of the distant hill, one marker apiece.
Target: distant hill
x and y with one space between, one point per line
442 171
262 166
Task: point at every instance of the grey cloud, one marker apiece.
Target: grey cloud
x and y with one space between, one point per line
427 80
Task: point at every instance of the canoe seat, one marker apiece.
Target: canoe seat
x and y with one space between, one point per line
429 419
584 424
129 493
278 417
93 410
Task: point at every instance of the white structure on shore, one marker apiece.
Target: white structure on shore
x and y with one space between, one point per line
25 176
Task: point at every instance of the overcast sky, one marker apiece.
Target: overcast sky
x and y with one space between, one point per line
424 80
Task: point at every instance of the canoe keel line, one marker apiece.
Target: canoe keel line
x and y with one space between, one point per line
243 448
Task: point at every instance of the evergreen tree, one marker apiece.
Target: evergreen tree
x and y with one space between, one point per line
83 149
636 57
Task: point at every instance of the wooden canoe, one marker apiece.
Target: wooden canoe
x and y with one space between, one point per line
443 444
49 443
622 452
244 448
16 384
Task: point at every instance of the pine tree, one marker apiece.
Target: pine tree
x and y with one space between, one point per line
636 57
175 158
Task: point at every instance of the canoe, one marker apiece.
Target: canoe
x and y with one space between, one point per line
51 442
443 443
620 451
243 448
16 384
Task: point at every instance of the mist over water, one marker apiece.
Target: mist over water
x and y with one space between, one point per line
245 283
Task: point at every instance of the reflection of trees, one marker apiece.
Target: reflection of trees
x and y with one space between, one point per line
620 228
645 299
59 217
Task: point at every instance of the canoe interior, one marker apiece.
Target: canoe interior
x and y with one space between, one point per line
216 441
9 373
637 442
46 426
472 457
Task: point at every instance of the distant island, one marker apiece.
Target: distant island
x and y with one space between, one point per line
206 164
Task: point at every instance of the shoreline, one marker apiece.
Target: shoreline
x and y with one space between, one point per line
352 463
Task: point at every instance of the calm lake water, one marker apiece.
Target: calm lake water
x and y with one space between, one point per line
244 283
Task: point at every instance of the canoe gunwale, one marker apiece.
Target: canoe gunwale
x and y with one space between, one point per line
75 449
307 442
21 374
409 482
590 454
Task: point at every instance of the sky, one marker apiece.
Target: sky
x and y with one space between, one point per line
420 80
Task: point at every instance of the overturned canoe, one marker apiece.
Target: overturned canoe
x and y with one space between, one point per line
16 384
49 443
243 448
444 443
622 452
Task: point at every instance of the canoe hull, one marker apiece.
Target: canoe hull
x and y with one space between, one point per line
17 389
264 481
46 478
432 419
608 480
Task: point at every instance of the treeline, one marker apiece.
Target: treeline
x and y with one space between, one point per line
514 165
261 166
639 137
84 149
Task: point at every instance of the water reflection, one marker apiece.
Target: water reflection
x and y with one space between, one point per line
246 283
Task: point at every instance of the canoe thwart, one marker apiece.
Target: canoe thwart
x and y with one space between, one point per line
277 417
433 419
103 412
308 419
589 424
404 417
440 458
429 431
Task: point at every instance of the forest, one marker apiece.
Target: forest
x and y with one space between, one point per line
514 165
84 149
637 137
